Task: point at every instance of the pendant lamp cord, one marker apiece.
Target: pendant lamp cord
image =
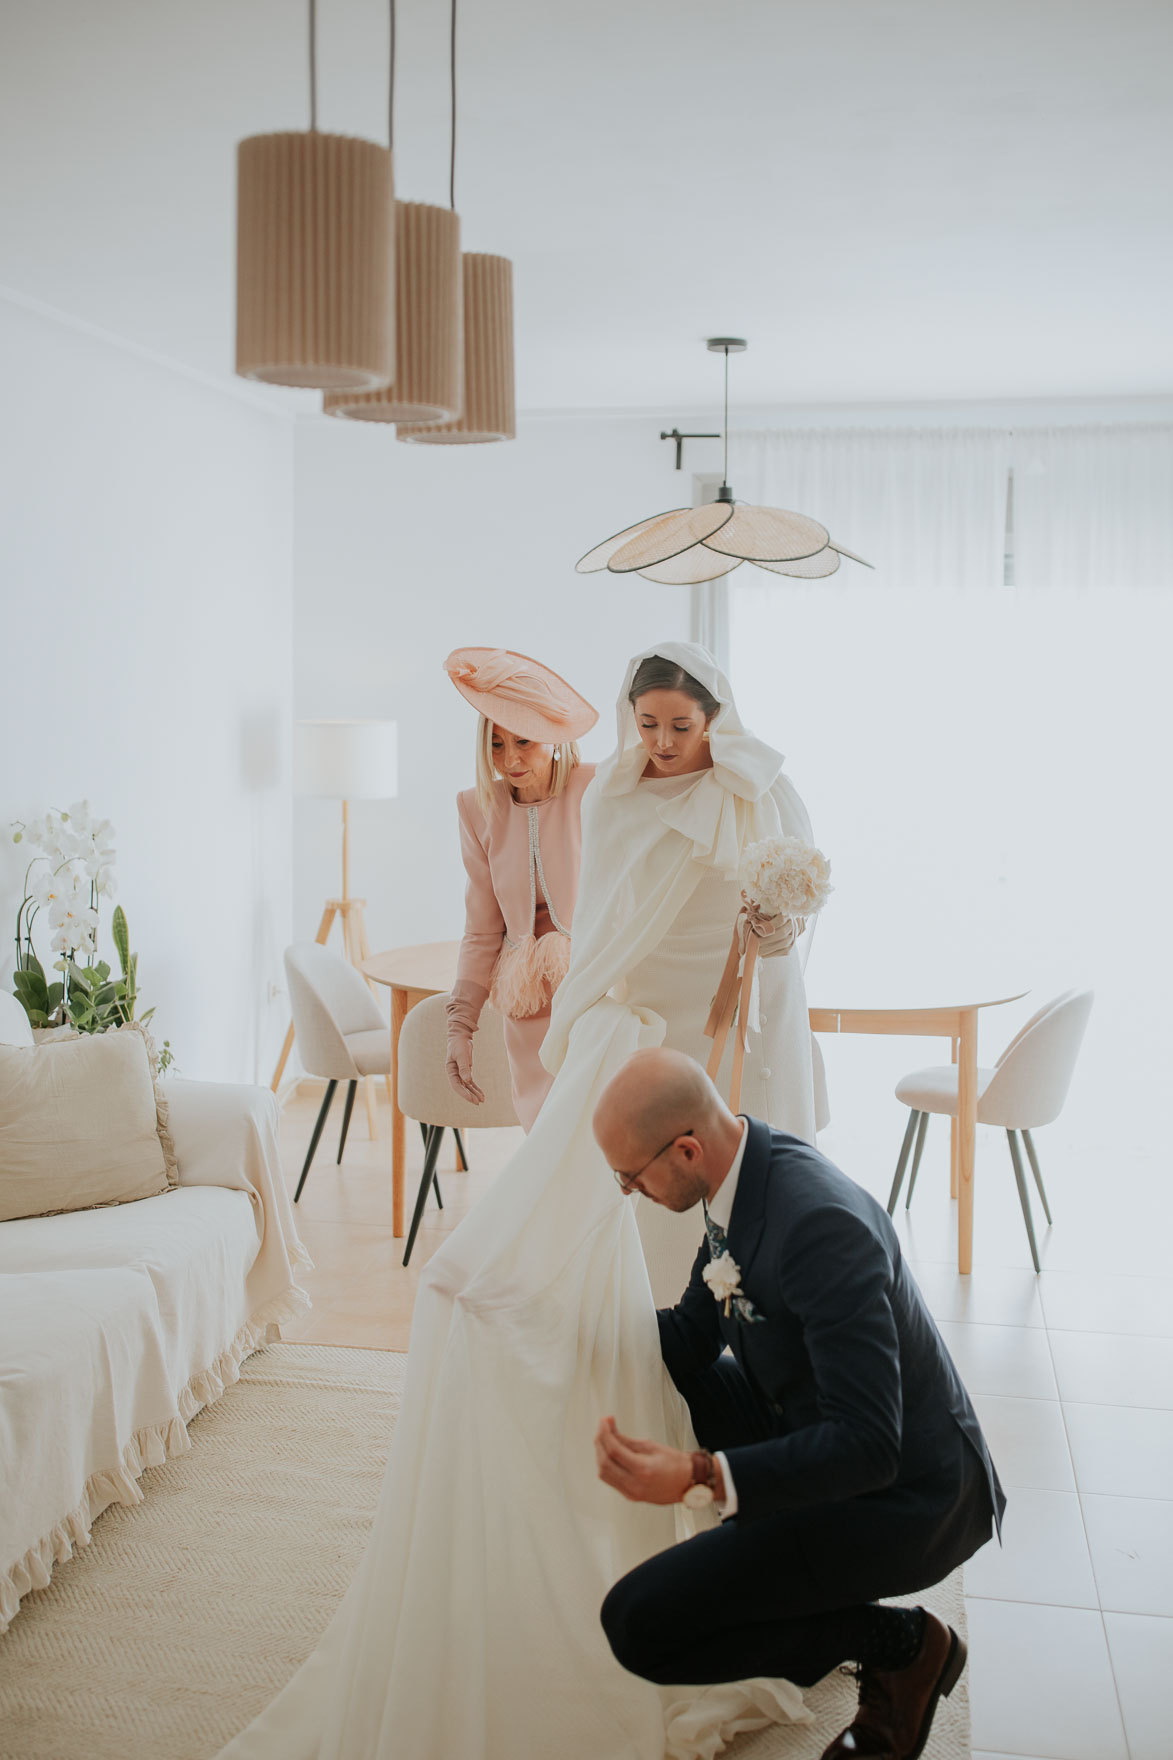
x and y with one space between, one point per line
313 66
452 153
725 473
391 86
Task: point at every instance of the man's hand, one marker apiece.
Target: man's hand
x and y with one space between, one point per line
645 1472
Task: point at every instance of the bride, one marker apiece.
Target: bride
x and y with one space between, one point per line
471 1630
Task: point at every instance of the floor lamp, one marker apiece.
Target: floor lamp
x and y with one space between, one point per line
345 761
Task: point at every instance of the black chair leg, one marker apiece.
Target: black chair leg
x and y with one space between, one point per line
1035 1169
1023 1197
436 1185
351 1091
916 1155
460 1150
431 1155
903 1161
316 1138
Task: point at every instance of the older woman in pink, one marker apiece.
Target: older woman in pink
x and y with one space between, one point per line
520 839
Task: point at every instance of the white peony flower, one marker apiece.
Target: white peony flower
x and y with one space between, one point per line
786 877
723 1276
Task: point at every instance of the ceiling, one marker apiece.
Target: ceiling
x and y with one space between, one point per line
895 200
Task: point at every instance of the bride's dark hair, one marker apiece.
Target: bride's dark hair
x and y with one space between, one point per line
657 674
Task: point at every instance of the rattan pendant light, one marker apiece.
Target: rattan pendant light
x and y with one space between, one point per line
315 283
428 385
691 545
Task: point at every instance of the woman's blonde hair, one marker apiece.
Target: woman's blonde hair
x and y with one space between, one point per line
566 757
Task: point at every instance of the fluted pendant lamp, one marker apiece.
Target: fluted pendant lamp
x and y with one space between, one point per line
429 325
489 407
691 545
315 239
428 385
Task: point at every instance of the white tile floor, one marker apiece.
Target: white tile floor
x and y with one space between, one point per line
1071 1621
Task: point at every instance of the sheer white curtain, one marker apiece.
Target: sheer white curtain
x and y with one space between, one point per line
1093 507
985 768
926 506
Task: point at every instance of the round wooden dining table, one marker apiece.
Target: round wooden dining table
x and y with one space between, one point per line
937 1009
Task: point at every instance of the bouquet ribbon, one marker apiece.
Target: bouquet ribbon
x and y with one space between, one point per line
732 998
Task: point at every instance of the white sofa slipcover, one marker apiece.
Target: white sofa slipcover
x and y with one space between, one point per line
117 1325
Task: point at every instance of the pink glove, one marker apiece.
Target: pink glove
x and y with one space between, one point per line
775 935
464 1011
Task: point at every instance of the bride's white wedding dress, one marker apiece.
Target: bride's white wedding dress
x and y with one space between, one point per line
471 1630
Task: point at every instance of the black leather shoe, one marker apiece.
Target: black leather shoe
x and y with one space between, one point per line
897 1706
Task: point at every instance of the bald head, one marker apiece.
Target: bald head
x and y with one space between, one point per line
662 1105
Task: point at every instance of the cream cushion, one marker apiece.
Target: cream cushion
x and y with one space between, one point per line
935 1090
81 1125
371 1051
425 1092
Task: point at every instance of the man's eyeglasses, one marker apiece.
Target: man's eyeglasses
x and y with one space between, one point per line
626 1181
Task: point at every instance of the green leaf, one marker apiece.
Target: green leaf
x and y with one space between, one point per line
31 991
120 931
144 1018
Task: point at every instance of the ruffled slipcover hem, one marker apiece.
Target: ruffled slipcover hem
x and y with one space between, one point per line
151 1446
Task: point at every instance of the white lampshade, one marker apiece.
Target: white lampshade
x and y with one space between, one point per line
347 760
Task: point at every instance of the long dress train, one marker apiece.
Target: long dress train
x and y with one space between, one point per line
471 1630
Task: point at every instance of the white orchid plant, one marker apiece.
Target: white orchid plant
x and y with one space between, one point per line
71 871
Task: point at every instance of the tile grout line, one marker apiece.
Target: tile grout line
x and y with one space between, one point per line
1087 1542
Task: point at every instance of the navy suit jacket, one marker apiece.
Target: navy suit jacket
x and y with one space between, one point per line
863 1393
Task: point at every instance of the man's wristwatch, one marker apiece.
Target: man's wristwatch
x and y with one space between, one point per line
704 1481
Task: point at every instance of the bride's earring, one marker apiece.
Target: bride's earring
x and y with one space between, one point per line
705 734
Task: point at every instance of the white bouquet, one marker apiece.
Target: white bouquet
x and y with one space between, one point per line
785 877
783 882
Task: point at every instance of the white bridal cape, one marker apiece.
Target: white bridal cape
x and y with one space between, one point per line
471 1630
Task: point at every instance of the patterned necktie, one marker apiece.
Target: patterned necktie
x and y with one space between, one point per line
718 1238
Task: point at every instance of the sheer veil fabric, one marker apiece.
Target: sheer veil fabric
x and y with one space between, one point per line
472 1625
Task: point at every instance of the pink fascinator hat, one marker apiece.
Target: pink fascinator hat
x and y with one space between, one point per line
520 694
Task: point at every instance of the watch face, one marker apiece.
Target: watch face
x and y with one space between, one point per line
697 1496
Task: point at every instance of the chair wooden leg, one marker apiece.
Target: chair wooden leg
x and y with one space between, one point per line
1023 1197
898 1180
1034 1167
316 1138
351 1090
916 1155
462 1158
431 1155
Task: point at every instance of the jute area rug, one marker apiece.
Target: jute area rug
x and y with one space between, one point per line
184 1616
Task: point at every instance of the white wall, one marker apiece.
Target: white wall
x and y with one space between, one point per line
145 577
405 552
987 774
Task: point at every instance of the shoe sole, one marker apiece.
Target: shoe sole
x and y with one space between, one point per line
948 1679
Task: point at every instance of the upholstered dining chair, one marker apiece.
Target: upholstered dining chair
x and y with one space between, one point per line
341 1033
1025 1089
426 1095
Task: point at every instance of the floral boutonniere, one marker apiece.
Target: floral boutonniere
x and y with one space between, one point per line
723 1276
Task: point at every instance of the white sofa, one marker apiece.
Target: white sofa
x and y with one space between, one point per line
117 1325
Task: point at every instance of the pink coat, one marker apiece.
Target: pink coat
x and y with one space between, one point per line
498 903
